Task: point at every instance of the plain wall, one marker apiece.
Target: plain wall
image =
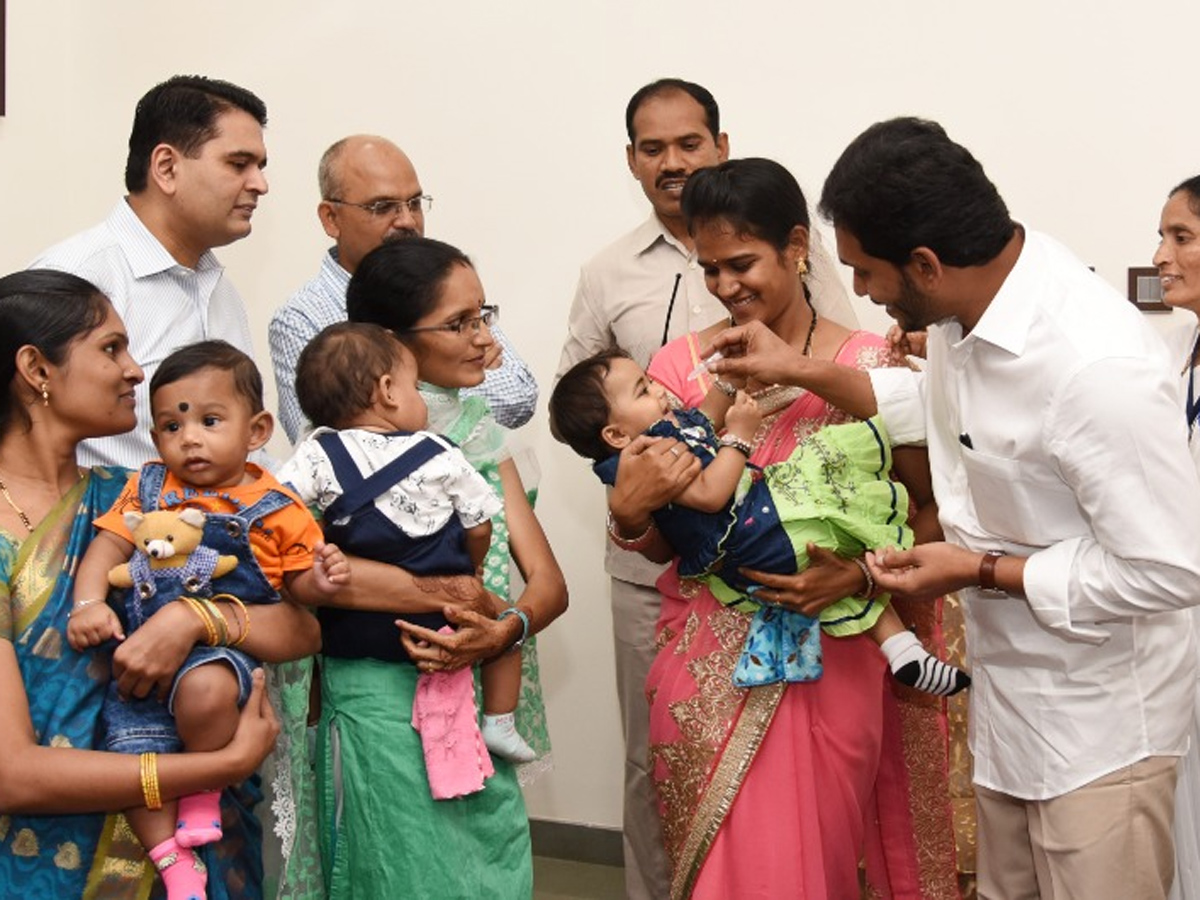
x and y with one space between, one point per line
1082 113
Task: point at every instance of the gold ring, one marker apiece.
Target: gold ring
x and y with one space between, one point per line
675 451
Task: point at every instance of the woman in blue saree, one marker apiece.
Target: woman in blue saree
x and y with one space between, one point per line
66 375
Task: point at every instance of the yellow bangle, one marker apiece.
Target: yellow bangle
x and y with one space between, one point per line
210 627
149 772
218 620
245 620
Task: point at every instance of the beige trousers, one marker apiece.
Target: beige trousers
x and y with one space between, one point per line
635 613
1108 840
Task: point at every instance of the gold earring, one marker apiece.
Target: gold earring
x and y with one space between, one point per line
45 394
801 268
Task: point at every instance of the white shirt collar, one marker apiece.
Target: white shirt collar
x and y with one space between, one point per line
1007 320
145 252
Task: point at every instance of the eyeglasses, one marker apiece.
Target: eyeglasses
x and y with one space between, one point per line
488 315
389 209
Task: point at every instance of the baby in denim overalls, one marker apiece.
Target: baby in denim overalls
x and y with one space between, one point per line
206 400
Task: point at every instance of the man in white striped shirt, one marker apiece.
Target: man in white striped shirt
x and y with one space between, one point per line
194 176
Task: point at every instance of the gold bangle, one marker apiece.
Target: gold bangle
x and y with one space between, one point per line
220 625
149 773
245 620
210 627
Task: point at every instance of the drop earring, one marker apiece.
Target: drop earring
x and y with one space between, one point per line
45 394
801 268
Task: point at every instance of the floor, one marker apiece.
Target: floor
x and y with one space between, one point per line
560 879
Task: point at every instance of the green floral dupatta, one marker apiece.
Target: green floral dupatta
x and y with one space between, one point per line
468 422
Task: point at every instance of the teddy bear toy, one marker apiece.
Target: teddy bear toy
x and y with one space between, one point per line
167 545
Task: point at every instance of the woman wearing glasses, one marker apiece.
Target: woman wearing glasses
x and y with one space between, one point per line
382 834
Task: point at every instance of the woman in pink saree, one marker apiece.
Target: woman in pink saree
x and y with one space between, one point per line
779 790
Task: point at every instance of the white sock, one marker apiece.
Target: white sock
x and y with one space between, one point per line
501 737
913 665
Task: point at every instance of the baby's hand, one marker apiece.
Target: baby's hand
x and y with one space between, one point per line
744 417
331 570
93 625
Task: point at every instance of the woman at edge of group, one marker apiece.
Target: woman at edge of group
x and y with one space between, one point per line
67 376
814 765
428 293
1178 262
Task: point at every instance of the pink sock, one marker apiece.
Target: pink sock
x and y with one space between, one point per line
183 874
199 819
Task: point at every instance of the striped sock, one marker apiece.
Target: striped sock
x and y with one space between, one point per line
912 665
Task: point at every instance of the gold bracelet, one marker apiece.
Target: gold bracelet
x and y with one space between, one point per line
245 621
219 622
149 772
210 627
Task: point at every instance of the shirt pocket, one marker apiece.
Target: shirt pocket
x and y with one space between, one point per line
1020 501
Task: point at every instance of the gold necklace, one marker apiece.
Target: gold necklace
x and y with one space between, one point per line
20 512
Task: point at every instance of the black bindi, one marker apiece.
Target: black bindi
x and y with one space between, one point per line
183 407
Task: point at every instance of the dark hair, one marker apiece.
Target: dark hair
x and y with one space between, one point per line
400 281
579 407
758 197
46 309
221 355
904 184
1191 187
182 112
712 114
339 368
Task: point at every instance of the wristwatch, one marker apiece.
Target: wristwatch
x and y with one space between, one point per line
987 571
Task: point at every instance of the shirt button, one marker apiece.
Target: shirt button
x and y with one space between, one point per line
696 310
692 264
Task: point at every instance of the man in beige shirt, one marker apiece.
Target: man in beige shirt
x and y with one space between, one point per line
639 292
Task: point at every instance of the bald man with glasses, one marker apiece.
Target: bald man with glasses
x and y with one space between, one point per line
370 194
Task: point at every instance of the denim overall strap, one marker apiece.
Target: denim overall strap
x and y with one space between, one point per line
150 485
358 491
269 502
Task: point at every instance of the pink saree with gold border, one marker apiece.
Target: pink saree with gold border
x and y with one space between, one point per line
796 786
